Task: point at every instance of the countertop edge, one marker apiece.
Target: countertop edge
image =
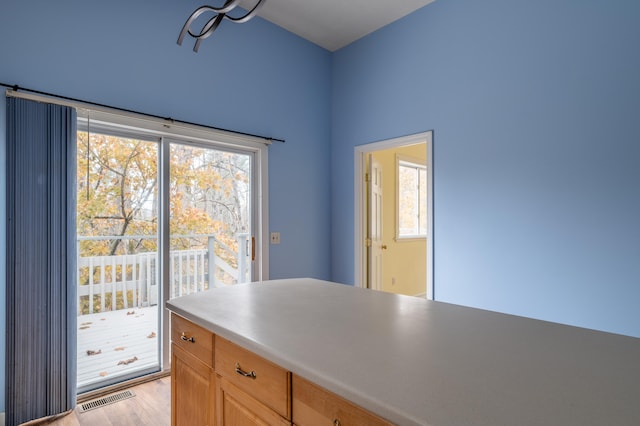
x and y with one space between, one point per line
355 396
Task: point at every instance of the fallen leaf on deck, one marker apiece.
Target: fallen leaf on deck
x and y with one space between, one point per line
84 327
90 352
131 313
152 335
119 348
103 373
128 361
86 323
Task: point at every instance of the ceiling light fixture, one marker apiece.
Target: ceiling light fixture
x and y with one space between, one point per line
219 14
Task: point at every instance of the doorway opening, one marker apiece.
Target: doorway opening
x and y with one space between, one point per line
393 224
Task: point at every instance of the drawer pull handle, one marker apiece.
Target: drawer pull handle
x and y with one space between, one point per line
187 339
336 422
250 374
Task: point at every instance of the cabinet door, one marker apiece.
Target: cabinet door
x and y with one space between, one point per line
238 408
192 390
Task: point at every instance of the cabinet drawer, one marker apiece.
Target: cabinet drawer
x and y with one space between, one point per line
192 338
315 406
235 407
265 381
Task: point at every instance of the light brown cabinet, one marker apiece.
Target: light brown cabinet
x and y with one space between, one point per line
315 406
250 387
238 408
214 381
192 374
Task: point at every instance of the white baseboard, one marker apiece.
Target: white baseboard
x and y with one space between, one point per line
423 295
1 419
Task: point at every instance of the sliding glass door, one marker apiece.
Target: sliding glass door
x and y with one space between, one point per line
158 217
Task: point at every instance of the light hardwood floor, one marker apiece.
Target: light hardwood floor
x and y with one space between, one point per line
150 406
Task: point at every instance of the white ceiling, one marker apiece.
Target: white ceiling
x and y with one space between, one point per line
333 24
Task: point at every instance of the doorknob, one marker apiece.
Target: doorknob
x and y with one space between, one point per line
384 247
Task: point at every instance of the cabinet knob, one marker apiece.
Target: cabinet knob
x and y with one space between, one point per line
336 422
187 339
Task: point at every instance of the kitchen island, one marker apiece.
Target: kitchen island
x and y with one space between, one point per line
417 362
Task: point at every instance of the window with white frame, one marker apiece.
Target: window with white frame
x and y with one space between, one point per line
411 198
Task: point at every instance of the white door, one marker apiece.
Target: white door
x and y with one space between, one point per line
375 224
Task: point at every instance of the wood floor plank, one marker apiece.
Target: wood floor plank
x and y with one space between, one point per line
150 406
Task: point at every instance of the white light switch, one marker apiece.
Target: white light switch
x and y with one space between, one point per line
275 238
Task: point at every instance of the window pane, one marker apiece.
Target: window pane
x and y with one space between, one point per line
117 226
408 203
412 200
423 202
210 212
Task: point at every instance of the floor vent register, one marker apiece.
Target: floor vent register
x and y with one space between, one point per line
109 399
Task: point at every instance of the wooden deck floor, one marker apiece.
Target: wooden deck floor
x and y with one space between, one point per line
122 342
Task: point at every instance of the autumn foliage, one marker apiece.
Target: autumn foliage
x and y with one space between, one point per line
119 198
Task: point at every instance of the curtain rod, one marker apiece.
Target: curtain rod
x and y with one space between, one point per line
16 88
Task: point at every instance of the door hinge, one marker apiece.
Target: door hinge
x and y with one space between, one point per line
366 177
367 242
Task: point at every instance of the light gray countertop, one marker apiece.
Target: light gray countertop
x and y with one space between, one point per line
419 362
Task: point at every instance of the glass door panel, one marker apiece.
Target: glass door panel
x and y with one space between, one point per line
118 280
128 183
210 221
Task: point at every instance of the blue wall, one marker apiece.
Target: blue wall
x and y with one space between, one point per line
535 109
253 77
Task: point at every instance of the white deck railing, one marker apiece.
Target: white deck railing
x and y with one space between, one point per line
129 281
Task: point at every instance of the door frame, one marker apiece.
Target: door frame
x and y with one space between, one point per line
360 203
